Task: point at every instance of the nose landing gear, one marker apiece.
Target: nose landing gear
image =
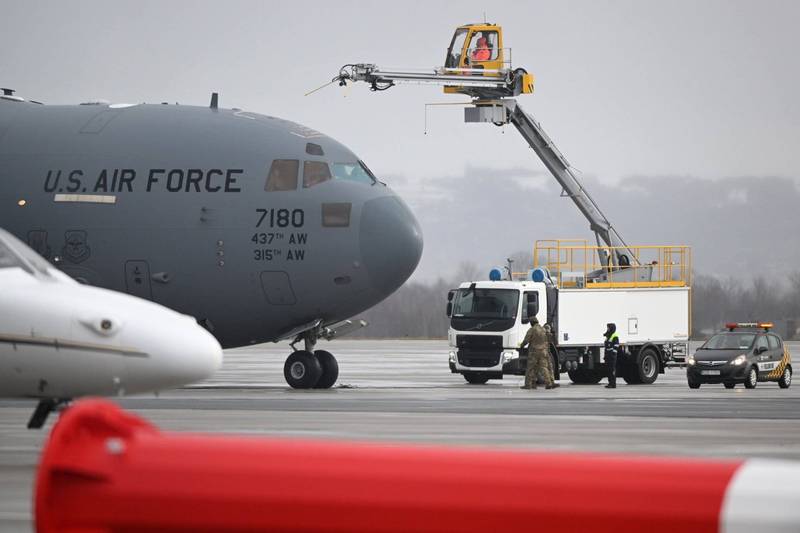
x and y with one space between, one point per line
316 369
309 368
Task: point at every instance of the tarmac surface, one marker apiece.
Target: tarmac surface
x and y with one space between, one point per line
402 390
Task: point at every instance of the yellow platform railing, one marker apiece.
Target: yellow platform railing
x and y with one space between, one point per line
575 263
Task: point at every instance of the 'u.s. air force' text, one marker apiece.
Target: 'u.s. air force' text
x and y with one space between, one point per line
127 180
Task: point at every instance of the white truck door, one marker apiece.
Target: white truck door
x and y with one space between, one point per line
534 300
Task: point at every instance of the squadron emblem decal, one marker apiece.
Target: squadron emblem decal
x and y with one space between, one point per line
76 248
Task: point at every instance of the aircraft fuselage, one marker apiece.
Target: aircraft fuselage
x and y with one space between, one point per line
184 206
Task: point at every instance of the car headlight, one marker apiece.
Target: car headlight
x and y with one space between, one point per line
690 360
452 357
739 361
508 356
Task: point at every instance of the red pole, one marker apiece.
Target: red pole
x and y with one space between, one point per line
106 470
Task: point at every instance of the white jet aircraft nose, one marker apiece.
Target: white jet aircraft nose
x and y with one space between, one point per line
174 350
199 352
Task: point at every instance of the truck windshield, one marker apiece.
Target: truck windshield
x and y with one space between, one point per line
730 341
489 309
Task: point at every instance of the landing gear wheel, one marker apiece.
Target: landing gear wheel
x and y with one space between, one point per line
729 385
302 370
476 378
751 380
786 378
693 385
330 369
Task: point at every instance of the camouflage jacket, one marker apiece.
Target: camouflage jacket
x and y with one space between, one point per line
535 339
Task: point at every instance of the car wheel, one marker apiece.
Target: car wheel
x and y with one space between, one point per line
694 385
751 380
786 378
476 378
302 370
729 385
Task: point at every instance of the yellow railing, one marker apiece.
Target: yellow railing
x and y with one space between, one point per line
575 263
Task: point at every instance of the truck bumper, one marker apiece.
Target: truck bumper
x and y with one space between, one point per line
508 363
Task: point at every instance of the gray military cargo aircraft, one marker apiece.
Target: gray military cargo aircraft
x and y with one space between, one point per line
259 227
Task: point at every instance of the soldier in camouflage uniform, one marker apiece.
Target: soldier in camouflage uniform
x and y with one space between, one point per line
551 340
536 341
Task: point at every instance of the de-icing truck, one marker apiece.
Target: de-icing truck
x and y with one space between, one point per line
576 288
647 297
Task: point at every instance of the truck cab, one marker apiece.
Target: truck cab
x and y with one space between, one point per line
488 321
576 294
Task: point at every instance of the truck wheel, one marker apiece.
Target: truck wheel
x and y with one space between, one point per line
476 378
584 376
629 373
556 368
751 380
729 385
693 385
647 364
786 378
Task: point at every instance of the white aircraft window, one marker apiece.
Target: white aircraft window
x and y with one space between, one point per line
283 175
352 172
336 215
315 172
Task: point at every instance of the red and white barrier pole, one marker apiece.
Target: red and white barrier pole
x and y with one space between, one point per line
106 470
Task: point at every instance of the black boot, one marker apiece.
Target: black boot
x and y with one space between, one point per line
611 386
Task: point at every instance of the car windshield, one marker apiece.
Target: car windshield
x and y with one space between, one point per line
730 341
486 303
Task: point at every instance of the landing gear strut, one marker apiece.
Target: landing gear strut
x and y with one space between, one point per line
309 368
43 410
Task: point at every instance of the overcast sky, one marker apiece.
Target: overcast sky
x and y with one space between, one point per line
688 89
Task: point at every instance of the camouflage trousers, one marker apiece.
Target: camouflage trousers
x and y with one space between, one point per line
538 366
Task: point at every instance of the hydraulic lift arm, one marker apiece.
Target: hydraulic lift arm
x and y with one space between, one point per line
492 91
558 166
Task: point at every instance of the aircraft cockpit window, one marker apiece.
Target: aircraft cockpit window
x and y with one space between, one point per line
314 149
283 175
315 172
352 172
336 215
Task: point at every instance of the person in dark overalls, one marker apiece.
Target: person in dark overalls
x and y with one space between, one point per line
611 346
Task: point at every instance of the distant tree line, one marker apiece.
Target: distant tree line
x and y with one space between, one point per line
417 310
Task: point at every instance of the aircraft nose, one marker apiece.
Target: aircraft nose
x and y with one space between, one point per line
390 239
184 353
201 353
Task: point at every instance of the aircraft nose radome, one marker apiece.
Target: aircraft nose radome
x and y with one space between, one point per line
187 352
391 242
202 353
